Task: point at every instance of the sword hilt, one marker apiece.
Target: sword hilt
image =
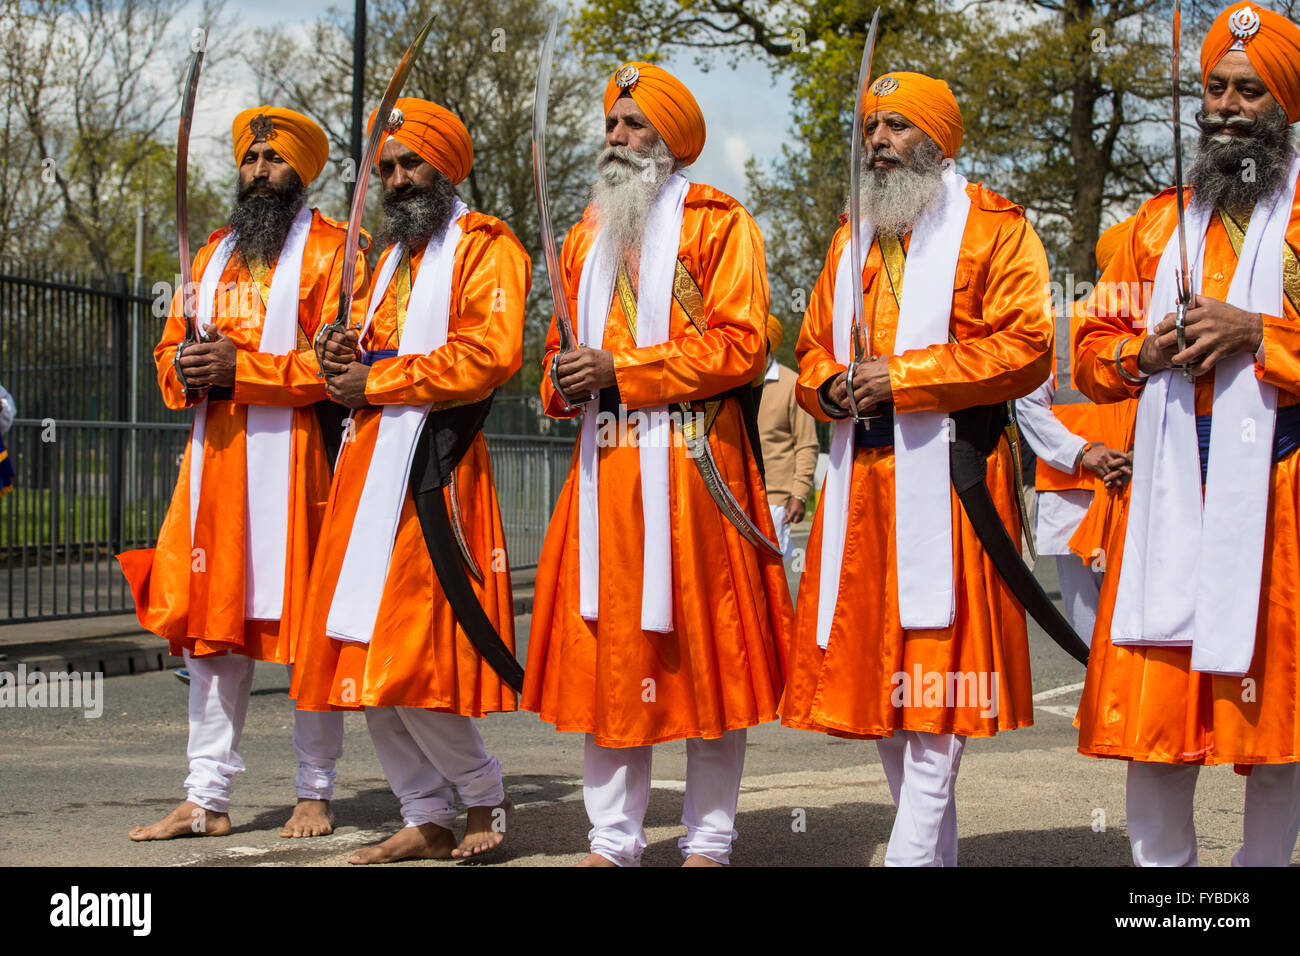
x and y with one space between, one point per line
858 417
318 344
555 383
1180 326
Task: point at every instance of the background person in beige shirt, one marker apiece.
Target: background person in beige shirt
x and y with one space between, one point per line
789 437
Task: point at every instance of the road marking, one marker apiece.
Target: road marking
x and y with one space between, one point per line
1059 711
1057 692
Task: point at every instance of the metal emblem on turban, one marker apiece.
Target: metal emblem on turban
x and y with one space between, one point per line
261 126
1244 24
394 121
884 86
626 78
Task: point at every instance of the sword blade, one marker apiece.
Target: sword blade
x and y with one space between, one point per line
859 331
541 98
352 243
182 181
1184 272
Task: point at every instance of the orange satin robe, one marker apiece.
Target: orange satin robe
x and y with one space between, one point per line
722 666
192 593
1145 703
1109 425
1003 319
418 655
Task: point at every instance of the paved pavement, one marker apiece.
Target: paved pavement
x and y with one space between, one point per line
70 787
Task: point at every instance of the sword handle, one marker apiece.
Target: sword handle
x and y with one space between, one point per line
858 417
555 383
1180 326
318 344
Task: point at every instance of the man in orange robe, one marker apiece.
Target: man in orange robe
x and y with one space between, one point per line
654 617
1195 654
227 581
443 330
1084 463
905 633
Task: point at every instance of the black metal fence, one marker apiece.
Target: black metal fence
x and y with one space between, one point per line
96 453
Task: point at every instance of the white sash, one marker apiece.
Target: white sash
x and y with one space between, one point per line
659 248
360 588
922 495
269 432
1192 567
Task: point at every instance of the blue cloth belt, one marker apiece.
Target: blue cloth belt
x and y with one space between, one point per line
880 434
1286 437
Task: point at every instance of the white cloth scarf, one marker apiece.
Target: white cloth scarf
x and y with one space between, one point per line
922 497
360 587
659 248
269 432
1192 566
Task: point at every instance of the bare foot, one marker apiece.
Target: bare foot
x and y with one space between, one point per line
311 818
595 859
696 860
485 829
188 819
425 842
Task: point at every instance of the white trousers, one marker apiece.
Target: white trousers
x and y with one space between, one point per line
1080 592
1162 832
616 790
428 758
921 770
782 525
219 688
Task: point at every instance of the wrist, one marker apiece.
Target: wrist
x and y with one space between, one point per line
1078 461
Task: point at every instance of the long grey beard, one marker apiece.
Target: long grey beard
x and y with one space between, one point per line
895 198
624 191
413 213
1233 173
262 216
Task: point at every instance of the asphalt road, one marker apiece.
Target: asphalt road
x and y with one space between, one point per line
71 787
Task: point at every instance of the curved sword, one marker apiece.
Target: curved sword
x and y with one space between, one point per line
699 449
1184 273
541 97
352 244
860 333
188 292
458 530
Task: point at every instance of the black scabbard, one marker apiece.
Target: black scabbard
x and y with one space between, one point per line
446 437
975 435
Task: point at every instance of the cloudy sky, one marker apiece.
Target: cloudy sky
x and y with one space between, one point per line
746 114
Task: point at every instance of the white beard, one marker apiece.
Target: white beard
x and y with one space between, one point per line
627 185
895 197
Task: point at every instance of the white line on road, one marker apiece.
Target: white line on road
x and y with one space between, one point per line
1057 692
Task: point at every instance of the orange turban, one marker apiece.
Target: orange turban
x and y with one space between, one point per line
1112 240
1271 42
926 102
433 132
775 333
667 104
297 139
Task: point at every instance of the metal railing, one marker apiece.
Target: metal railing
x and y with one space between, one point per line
85 491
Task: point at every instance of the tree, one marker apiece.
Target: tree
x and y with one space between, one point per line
479 62
91 100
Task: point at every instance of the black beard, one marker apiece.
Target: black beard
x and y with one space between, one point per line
413 213
1235 174
263 214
